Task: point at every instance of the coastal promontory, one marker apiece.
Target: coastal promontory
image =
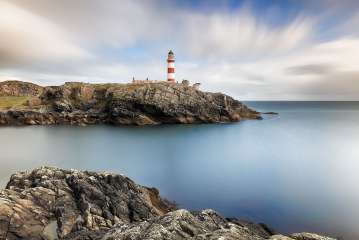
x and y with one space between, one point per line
76 103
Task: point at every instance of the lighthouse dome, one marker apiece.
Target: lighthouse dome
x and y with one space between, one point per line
171 55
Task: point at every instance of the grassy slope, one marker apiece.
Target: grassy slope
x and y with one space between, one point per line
13 102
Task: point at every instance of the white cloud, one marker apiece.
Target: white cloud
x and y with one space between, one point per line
235 51
26 38
240 35
114 24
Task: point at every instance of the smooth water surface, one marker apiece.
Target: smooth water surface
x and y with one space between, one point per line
296 172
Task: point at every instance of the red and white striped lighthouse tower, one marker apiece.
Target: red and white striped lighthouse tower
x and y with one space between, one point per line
171 67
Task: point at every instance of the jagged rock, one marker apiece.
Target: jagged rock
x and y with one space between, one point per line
51 203
259 229
74 201
309 236
138 104
62 106
182 224
300 236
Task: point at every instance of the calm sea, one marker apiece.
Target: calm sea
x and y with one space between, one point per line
296 172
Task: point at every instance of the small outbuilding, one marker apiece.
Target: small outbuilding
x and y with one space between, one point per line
196 86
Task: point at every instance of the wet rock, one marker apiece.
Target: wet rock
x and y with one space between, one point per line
270 113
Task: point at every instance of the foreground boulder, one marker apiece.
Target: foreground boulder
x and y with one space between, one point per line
137 103
51 203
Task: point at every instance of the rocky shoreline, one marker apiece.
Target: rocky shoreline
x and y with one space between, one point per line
76 103
51 203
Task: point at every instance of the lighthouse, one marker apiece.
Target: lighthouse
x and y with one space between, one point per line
171 67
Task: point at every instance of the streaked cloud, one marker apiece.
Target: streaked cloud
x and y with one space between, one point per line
311 55
26 38
317 69
240 35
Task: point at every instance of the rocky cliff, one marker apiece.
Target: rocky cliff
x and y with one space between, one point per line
138 104
51 203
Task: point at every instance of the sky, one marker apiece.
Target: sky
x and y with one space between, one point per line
252 50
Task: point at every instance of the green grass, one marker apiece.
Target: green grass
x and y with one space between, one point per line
13 102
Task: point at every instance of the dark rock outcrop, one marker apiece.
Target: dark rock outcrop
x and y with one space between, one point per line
51 203
138 104
50 200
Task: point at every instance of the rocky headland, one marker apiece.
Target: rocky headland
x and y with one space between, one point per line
52 203
77 103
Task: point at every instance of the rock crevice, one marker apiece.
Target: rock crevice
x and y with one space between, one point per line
77 201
